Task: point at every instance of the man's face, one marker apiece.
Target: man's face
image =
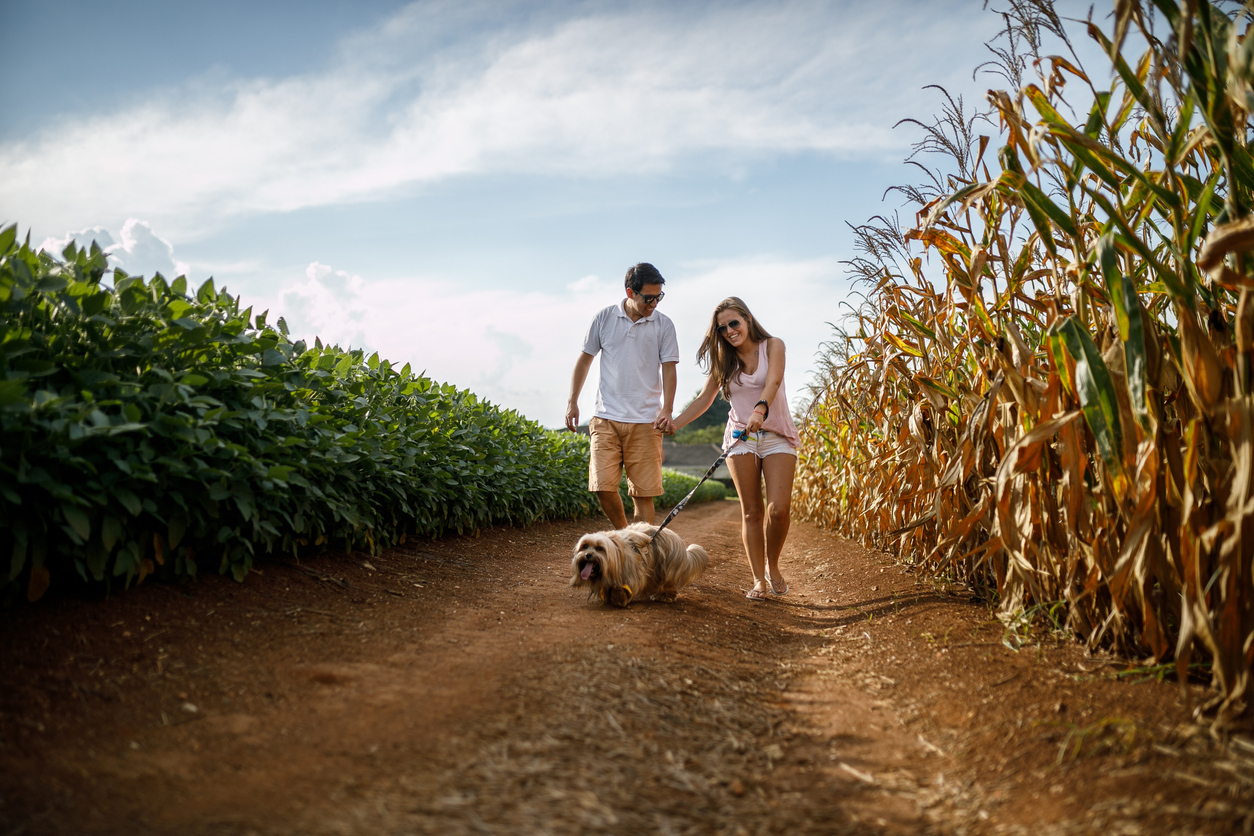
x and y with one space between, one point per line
644 302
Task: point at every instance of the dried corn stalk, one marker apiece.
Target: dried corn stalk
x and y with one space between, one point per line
1066 414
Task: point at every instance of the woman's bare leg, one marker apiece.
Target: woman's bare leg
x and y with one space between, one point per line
778 471
746 473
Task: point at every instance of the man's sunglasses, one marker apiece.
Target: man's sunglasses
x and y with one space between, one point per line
650 299
735 323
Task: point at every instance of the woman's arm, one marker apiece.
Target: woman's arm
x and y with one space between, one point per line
699 405
774 380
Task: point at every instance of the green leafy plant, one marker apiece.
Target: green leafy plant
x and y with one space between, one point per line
147 427
700 435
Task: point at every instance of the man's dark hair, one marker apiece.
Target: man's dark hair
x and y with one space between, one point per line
642 274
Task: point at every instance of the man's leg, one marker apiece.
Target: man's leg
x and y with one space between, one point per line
643 510
642 459
612 505
605 468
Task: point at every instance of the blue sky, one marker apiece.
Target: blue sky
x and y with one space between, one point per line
462 185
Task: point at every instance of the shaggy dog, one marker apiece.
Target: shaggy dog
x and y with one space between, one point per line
623 565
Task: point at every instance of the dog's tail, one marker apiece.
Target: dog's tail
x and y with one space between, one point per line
687 566
679 566
698 560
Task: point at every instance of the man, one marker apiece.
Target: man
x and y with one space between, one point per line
633 407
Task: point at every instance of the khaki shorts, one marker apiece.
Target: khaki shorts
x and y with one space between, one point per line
617 446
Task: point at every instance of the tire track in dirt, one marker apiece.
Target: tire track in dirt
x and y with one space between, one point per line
460 686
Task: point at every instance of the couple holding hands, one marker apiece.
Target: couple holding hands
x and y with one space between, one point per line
635 399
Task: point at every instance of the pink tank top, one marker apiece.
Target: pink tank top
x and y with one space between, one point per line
746 391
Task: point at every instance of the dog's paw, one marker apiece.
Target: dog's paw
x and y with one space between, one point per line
616 596
667 597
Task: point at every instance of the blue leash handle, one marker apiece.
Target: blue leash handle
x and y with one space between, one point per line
736 436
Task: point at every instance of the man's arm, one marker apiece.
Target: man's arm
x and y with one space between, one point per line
576 386
663 421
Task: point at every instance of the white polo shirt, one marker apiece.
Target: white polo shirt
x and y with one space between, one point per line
632 354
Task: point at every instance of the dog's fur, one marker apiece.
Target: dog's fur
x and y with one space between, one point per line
621 566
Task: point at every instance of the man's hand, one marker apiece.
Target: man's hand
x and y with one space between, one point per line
665 423
576 384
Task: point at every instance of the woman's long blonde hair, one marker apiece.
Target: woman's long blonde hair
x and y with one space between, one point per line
716 356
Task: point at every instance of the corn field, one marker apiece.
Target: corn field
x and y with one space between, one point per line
1047 392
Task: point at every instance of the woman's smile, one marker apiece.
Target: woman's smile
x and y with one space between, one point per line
732 327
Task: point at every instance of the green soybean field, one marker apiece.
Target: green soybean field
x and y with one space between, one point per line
147 427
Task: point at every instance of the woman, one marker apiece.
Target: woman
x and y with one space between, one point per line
746 364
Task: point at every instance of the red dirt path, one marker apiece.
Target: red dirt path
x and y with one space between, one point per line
459 686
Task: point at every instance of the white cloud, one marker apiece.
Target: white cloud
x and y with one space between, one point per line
328 304
510 346
582 91
586 285
140 252
82 238
517 348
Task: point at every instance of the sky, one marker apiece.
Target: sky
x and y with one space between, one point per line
461 185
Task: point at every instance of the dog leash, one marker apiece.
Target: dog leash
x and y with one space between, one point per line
736 435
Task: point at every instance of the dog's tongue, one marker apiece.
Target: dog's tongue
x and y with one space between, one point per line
587 571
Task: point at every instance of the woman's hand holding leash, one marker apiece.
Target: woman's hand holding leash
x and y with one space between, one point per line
736 436
760 411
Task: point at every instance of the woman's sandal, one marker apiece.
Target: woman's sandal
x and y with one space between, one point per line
756 595
774 589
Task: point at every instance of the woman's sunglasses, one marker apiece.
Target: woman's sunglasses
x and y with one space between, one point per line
735 323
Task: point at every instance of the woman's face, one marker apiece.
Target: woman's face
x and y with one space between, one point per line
733 326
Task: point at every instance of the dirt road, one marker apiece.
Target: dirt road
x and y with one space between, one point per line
460 686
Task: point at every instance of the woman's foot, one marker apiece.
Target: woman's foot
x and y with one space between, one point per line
758 593
777 588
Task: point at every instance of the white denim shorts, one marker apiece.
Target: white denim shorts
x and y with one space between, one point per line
763 443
